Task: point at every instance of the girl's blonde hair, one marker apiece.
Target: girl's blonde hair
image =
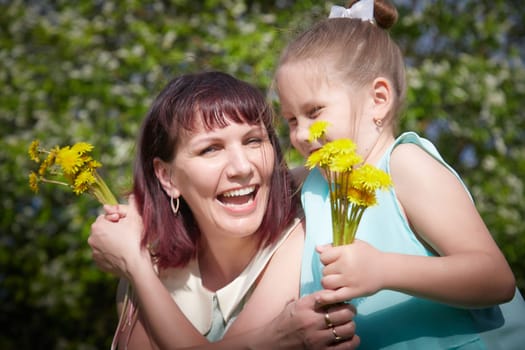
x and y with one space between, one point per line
356 51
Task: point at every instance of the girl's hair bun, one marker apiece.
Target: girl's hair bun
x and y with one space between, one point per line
385 13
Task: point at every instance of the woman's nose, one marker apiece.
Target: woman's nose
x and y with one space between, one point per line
239 164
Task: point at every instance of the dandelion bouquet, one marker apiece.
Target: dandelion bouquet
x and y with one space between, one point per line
353 185
69 166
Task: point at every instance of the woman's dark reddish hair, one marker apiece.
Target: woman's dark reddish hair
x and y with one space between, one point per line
220 100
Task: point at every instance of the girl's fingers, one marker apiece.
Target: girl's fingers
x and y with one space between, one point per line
330 297
328 254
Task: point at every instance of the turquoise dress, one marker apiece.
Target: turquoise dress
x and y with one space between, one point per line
394 320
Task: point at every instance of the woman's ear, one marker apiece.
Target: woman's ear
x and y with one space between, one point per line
163 172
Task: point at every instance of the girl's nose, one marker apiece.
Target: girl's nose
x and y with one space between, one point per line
302 131
239 164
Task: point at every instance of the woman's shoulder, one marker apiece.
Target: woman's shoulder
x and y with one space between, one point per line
294 233
297 230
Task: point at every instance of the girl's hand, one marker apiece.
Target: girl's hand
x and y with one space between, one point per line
350 271
115 240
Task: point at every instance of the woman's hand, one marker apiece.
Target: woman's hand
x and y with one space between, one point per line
350 271
114 213
305 323
115 240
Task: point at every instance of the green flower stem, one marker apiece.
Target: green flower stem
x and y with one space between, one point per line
56 182
101 191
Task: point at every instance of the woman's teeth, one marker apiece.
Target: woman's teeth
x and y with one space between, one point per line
240 196
240 192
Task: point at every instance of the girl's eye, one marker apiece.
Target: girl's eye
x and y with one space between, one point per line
314 112
291 121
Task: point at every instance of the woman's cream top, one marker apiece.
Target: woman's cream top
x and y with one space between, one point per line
211 313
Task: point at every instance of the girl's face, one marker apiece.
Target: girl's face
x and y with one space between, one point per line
224 176
307 95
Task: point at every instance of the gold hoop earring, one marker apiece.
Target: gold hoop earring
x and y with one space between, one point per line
174 208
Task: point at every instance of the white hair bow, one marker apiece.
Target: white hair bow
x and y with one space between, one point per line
363 10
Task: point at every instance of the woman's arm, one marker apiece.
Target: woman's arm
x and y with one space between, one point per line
277 285
301 325
165 322
159 314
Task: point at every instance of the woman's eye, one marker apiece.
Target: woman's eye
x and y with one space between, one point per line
208 150
254 141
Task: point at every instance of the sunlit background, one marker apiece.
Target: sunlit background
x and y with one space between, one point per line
75 71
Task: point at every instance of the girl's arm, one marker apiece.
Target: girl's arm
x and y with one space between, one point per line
470 270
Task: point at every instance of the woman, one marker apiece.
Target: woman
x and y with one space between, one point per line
213 201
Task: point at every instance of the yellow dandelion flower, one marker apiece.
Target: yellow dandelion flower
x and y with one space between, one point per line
83 181
317 130
93 164
362 198
33 181
384 180
69 159
34 151
344 162
340 146
322 157
43 168
49 162
369 178
315 159
82 147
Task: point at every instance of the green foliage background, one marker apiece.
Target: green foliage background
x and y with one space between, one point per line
87 71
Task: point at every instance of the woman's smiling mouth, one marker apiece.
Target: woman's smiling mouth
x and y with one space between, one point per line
241 196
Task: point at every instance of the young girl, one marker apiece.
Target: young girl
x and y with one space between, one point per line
424 272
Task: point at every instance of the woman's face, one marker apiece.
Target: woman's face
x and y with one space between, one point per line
224 176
